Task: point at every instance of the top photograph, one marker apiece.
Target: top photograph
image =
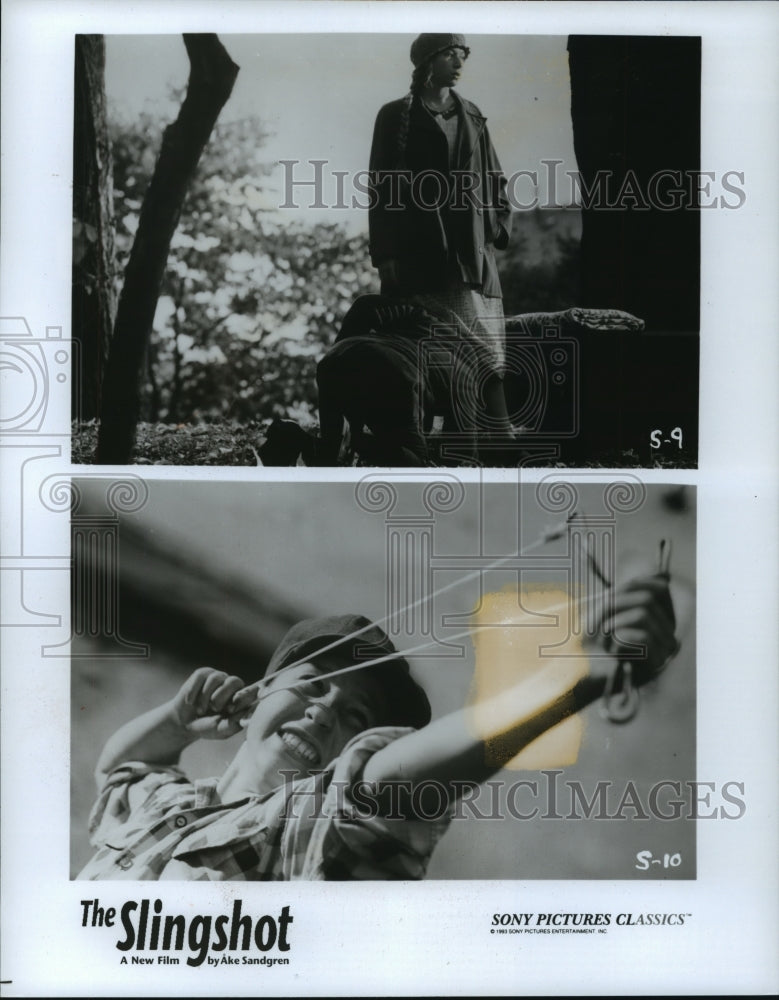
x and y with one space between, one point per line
386 250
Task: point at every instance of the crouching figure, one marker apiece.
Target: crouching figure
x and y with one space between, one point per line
394 366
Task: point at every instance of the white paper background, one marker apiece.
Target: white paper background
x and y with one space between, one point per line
431 937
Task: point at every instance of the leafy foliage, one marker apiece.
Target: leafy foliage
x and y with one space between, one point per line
222 443
251 301
539 271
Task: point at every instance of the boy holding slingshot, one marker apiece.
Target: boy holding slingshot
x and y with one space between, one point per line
341 775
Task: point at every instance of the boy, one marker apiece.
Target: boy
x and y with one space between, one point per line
394 366
310 794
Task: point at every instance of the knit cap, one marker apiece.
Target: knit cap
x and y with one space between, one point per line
426 46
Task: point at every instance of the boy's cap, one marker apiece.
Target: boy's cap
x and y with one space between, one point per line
426 46
404 703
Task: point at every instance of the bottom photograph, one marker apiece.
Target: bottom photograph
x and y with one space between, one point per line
391 679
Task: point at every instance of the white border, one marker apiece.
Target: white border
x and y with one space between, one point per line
431 938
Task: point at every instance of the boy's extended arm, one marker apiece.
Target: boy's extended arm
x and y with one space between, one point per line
473 743
197 711
470 745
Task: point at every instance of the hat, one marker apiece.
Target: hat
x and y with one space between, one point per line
403 702
426 46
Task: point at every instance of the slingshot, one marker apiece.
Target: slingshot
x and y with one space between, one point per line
620 699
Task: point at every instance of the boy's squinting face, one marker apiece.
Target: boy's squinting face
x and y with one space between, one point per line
303 728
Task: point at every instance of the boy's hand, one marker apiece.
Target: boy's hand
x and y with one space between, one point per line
206 706
642 614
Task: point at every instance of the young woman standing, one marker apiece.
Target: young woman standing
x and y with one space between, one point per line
439 208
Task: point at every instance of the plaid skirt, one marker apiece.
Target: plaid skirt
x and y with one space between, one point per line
482 316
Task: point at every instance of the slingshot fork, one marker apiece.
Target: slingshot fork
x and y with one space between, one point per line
620 699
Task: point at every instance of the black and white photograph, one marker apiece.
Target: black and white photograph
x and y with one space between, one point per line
389 495
394 250
384 681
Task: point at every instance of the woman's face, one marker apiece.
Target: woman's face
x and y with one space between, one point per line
446 66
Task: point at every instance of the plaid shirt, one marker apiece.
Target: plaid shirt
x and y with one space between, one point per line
151 822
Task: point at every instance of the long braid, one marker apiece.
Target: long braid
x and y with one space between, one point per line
403 127
419 80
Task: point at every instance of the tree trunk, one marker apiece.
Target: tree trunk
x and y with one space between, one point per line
151 374
635 108
175 391
211 78
94 301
